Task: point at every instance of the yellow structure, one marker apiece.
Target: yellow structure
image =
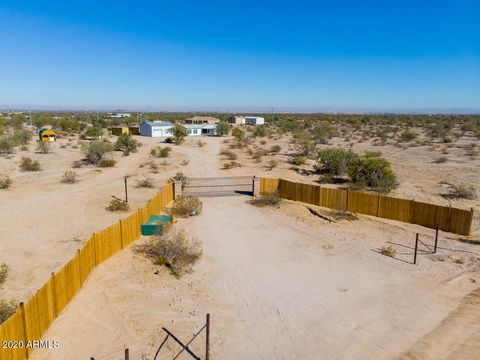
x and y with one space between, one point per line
47 135
119 130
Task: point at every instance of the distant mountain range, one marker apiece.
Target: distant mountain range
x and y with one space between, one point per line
245 109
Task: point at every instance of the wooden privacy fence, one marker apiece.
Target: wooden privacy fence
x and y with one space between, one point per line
32 319
449 219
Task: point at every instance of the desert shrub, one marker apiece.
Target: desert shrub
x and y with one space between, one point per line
107 163
185 162
304 143
5 182
180 176
299 160
117 205
126 142
4 271
161 152
322 133
263 142
169 140
258 154
7 145
146 182
178 132
231 165
272 164
174 251
238 133
22 137
275 149
229 154
408 135
462 192
223 128
260 131
96 151
267 199
441 160
185 205
76 164
374 172
69 177
201 143
27 164
44 147
335 160
7 309
389 251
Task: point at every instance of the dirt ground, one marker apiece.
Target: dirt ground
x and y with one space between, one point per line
279 283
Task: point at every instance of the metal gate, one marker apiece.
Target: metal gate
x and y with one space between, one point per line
219 186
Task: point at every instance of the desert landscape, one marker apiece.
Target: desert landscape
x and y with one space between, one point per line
279 281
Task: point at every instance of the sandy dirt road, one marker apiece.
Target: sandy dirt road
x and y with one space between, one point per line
277 288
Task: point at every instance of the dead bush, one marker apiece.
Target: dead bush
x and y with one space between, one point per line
146 182
7 309
107 163
173 250
27 164
272 164
44 147
441 160
230 155
267 199
117 205
186 205
4 271
69 177
5 182
231 165
462 192
389 251
77 164
161 152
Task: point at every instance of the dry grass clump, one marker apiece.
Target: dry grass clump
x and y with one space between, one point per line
389 251
275 149
44 147
4 271
27 164
107 163
146 182
231 165
5 182
299 160
186 205
441 160
69 177
267 199
230 155
7 309
174 251
462 192
343 215
201 143
77 164
185 162
117 205
161 152
272 164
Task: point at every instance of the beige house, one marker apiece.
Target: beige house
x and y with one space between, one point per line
202 120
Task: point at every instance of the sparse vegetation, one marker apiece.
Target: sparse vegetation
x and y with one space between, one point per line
267 199
44 147
179 132
185 205
275 149
229 154
161 152
389 251
5 182
223 128
231 165
441 160
107 163
180 176
126 143
173 250
408 135
299 160
372 171
271 164
7 309
117 205
4 271
201 143
69 177
335 160
146 182
462 192
27 164
96 151
7 145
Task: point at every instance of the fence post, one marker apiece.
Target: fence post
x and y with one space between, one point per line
470 223
95 248
79 270
207 339
54 295
436 240
127 354
177 188
256 186
25 330
416 247
122 244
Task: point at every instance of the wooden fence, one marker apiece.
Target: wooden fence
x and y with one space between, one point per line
449 219
32 319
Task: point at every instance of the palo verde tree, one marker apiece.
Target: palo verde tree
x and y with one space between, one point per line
178 132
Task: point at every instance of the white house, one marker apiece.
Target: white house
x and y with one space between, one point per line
155 128
200 129
242 120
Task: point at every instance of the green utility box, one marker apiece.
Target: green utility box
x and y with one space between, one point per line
154 225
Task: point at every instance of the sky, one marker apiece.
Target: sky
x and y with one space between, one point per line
232 55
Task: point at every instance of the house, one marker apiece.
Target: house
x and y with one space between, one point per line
201 129
201 120
118 130
242 120
155 128
120 115
47 135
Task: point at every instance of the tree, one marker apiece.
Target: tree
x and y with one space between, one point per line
179 132
335 161
94 131
374 172
238 133
126 142
223 128
96 150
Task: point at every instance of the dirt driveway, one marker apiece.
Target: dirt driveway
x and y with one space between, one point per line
277 288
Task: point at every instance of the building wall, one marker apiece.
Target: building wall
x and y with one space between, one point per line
161 131
145 129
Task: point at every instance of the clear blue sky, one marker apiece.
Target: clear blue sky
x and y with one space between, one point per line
241 54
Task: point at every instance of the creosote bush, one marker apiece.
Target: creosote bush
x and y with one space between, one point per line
186 205
173 250
462 192
7 145
299 160
126 143
5 182
408 135
229 154
146 182
374 172
4 271
231 165
267 199
27 164
96 151
335 160
117 205
107 163
44 147
7 309
161 152
69 177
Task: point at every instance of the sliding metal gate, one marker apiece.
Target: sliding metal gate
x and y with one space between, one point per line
219 186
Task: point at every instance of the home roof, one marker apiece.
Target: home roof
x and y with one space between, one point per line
158 123
203 118
200 126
